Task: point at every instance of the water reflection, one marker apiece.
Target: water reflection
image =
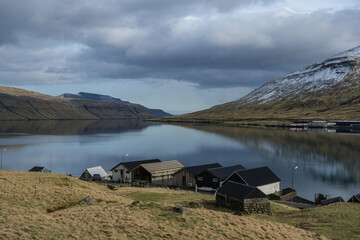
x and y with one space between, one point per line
329 163
70 127
335 157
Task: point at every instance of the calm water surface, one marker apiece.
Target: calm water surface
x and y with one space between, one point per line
328 163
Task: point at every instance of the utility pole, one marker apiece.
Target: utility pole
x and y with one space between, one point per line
2 150
292 178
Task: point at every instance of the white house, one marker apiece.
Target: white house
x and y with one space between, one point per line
262 178
122 171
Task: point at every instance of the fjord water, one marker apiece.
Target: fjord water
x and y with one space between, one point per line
328 163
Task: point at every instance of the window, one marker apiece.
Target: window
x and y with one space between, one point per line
127 172
215 180
116 170
199 178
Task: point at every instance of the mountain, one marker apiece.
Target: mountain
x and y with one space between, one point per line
20 104
107 98
92 96
326 90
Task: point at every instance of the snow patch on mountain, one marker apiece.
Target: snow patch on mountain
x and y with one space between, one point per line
310 79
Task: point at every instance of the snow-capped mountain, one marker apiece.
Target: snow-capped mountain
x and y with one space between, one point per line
325 90
298 84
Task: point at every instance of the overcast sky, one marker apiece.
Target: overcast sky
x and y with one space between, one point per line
180 56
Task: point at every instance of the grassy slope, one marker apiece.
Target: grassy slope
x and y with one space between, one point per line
19 104
340 102
42 206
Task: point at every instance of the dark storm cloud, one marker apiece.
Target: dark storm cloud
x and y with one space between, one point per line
210 43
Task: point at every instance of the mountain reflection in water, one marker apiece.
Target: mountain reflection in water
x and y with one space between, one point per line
328 163
328 157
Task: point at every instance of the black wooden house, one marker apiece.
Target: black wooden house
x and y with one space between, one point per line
214 177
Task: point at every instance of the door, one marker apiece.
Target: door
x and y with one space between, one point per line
184 181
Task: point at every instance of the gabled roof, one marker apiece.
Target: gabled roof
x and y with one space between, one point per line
37 169
196 170
161 166
240 190
97 170
223 172
357 197
131 165
332 200
257 176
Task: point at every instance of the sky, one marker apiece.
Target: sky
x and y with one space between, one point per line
180 56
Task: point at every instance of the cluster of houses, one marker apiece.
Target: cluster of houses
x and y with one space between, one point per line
236 187
245 190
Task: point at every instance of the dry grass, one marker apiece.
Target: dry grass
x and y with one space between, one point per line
42 206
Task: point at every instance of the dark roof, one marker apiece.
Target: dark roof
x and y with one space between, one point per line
258 176
332 200
36 169
131 165
357 197
240 190
196 170
223 172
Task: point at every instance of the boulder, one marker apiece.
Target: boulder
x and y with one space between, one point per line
136 203
179 209
87 200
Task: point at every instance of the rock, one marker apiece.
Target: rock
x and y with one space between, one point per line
136 203
179 209
195 205
87 200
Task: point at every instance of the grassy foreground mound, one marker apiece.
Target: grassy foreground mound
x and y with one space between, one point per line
43 206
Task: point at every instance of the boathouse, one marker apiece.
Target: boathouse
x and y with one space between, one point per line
355 198
262 178
242 197
212 178
94 174
157 173
122 171
40 169
186 177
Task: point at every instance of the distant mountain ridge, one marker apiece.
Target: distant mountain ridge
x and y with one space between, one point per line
92 96
326 90
20 104
107 98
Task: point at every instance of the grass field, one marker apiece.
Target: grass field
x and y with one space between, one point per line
43 206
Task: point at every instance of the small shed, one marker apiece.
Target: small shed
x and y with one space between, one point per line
262 178
212 178
40 169
158 173
186 177
331 201
355 198
242 197
122 171
94 174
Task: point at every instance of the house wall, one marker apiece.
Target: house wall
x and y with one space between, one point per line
140 174
207 180
118 177
250 205
178 179
163 178
85 176
270 188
